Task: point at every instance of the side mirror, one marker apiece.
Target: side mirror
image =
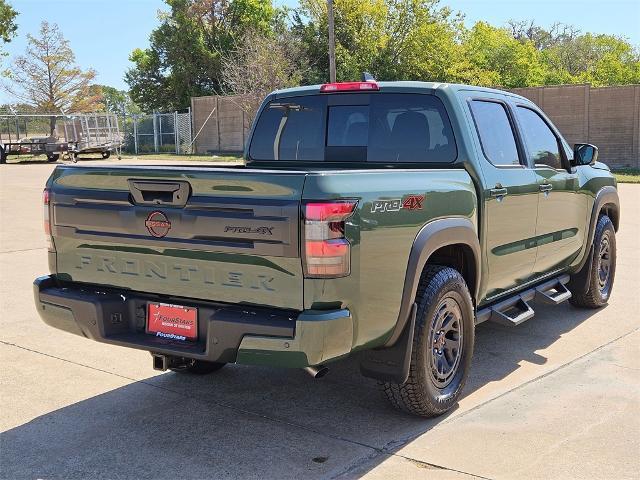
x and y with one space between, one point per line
584 154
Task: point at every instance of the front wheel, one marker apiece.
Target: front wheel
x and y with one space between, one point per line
53 157
591 287
442 345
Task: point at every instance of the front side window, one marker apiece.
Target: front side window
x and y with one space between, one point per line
495 132
386 128
541 143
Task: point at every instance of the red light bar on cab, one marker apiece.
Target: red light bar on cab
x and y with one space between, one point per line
349 87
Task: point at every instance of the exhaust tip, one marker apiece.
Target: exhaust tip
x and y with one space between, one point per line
317 371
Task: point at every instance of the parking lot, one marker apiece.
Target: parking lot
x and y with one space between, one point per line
557 397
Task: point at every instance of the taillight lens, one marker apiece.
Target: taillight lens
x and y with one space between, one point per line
349 87
45 216
327 253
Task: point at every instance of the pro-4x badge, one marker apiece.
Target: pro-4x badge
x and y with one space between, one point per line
408 202
258 230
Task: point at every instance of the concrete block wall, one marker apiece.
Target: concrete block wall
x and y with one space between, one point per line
608 117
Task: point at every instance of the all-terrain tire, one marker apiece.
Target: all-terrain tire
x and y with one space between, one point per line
200 367
591 287
442 291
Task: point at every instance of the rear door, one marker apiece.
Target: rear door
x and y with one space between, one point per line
510 194
228 235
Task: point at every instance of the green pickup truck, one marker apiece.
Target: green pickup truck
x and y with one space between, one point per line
384 217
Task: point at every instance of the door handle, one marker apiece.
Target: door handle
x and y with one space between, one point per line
146 192
545 187
498 193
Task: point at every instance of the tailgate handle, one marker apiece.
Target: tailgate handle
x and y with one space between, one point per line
174 194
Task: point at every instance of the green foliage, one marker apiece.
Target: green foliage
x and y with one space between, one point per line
116 101
184 57
392 39
596 59
496 58
8 24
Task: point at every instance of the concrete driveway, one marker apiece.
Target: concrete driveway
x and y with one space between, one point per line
557 397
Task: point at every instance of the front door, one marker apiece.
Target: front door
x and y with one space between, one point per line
562 209
510 196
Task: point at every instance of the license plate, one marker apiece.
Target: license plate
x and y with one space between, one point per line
174 322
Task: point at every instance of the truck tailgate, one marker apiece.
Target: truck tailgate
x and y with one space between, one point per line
228 235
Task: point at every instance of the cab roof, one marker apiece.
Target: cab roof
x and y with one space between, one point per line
398 87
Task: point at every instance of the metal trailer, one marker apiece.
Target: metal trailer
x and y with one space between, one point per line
92 133
56 135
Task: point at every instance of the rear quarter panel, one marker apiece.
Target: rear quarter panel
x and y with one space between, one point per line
381 240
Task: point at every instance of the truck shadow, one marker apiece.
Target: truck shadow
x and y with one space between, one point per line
253 422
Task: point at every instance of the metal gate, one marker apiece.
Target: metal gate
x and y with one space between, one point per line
158 133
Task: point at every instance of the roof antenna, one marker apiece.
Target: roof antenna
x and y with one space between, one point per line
367 77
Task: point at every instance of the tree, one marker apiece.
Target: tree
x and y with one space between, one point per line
184 57
8 24
392 39
570 56
498 59
47 77
596 59
527 31
116 101
257 65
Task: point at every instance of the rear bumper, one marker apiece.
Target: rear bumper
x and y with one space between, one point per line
226 333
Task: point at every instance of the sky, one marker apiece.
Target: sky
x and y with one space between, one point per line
102 33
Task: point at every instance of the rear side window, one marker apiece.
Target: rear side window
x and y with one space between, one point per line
401 128
541 142
495 132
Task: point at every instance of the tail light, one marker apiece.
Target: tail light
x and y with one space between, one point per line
369 85
45 215
327 253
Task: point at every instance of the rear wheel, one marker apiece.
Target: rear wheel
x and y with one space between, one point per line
199 367
106 154
53 157
3 155
591 287
442 345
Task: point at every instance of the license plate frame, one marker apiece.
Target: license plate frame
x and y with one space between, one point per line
172 322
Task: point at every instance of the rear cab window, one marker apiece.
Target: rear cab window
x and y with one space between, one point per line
360 127
495 132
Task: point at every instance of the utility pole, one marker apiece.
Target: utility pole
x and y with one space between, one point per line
332 43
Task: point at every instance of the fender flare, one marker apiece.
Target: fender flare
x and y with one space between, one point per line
433 236
391 362
607 195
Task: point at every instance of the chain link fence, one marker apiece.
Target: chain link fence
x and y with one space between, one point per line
158 133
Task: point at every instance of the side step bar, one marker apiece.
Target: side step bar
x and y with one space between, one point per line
516 309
